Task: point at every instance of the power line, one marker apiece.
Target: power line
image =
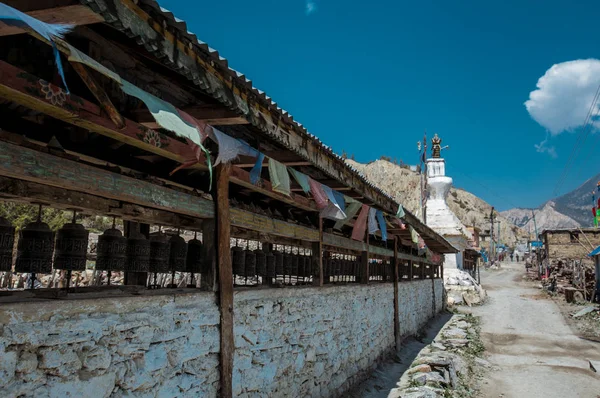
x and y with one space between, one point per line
581 138
488 189
590 151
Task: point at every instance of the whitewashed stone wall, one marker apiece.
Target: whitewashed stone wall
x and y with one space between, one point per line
165 346
416 303
309 342
298 342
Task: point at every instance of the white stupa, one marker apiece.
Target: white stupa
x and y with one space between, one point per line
438 214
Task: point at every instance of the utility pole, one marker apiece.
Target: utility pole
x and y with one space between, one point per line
492 246
498 232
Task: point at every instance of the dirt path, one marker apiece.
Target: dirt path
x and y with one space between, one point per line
528 340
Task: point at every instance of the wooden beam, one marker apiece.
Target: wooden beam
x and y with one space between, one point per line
266 164
216 115
208 279
74 15
224 269
317 258
30 165
100 94
267 225
68 183
16 190
333 241
242 177
25 89
396 305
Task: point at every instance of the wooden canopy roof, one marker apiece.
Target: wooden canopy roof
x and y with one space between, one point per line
148 46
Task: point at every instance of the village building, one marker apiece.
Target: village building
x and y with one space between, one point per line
569 244
296 276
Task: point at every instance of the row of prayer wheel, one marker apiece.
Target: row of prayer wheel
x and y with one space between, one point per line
39 249
381 270
340 266
269 264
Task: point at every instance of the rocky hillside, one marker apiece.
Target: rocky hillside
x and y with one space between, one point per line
577 204
404 186
545 218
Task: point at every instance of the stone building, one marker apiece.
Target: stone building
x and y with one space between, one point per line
570 244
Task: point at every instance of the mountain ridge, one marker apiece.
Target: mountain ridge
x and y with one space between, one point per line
570 210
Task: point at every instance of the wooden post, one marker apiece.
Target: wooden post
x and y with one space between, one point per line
267 248
410 270
208 280
396 304
422 266
136 278
222 245
100 94
364 264
317 257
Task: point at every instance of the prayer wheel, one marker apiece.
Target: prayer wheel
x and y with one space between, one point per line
70 252
238 260
270 260
261 262
302 266
7 241
336 266
195 257
160 249
137 258
250 269
295 262
287 264
111 251
178 253
35 247
278 263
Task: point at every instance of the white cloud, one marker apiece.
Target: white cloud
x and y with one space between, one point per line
563 97
543 147
311 7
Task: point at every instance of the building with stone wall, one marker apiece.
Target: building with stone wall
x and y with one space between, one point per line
570 244
221 275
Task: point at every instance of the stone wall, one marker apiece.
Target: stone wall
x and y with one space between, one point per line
289 342
137 346
416 303
561 247
319 342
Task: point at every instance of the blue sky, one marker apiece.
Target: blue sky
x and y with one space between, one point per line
369 77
